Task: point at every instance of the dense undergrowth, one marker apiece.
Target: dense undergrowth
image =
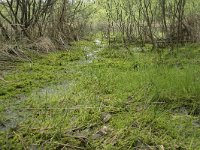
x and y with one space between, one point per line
121 99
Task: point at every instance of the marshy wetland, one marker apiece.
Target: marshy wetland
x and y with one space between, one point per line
92 96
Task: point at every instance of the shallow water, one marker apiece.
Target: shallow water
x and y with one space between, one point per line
14 115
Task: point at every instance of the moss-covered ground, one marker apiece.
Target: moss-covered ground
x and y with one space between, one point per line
95 97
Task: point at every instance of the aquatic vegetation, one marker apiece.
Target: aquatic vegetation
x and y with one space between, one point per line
62 100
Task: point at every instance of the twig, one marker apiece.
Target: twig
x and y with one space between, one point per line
55 108
84 127
69 146
42 129
151 147
76 108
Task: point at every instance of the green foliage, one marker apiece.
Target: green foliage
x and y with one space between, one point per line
153 99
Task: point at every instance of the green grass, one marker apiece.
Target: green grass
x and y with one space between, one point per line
153 100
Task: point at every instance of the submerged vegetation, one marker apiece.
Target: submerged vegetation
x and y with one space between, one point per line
95 97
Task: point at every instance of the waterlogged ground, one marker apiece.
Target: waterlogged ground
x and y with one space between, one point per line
95 97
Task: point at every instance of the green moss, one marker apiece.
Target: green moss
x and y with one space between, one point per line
153 99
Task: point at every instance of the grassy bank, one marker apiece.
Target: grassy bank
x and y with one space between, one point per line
94 97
